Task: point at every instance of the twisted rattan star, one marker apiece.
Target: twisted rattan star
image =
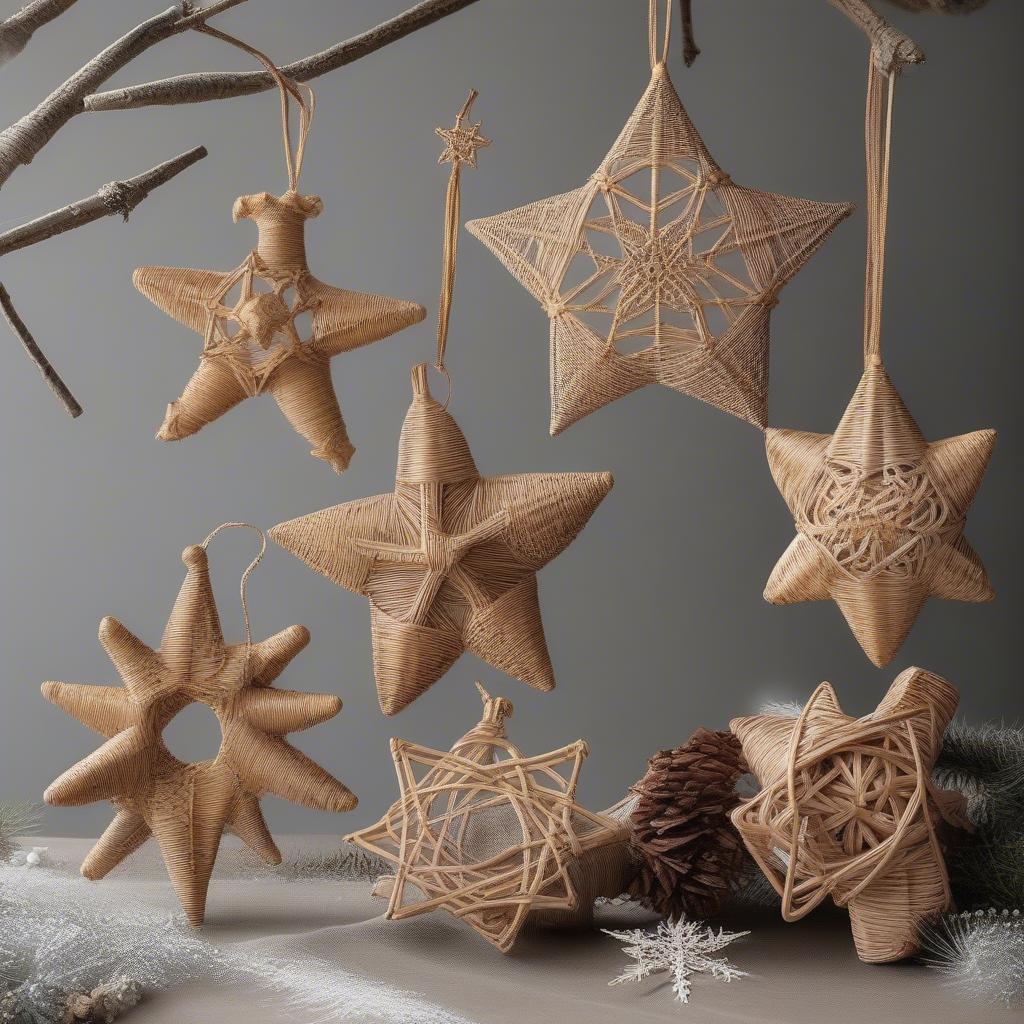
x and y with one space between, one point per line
485 832
252 345
880 516
659 269
848 810
461 143
187 807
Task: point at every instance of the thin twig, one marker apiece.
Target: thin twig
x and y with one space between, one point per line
116 197
50 375
19 28
198 88
26 137
691 51
891 49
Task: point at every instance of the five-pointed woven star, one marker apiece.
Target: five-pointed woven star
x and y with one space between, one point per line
449 560
861 825
659 269
880 516
252 345
186 807
485 832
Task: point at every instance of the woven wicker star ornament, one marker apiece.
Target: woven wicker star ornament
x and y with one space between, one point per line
187 807
848 810
248 317
449 559
659 269
485 832
880 516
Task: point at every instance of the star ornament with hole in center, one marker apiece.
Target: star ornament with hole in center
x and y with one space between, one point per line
659 269
187 807
847 809
449 560
485 832
880 515
252 343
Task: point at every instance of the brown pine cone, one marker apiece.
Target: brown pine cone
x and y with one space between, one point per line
688 853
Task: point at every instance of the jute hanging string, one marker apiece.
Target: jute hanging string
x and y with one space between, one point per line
187 807
879 511
252 344
449 559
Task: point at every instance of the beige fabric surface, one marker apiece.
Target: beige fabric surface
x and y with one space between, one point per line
806 973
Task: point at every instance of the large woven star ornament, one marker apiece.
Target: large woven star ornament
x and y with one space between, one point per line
449 560
658 269
251 340
880 516
485 832
848 810
186 807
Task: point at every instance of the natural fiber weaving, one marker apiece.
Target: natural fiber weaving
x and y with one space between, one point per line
247 317
186 807
879 511
449 560
659 268
848 810
485 832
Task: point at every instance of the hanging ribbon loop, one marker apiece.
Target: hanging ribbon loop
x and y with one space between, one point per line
652 32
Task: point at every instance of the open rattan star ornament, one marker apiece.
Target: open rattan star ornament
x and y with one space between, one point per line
847 809
489 834
659 269
187 807
879 510
248 316
449 559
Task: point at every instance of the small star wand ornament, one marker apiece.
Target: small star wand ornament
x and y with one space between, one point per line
449 560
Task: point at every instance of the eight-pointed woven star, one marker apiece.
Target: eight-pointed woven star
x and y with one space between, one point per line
252 345
485 832
848 810
659 269
186 807
449 560
880 516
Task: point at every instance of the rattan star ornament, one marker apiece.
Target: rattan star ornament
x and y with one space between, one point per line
659 269
449 560
879 511
247 318
485 832
187 807
848 810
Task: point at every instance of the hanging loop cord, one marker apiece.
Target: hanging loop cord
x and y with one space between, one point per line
288 88
652 32
462 144
877 148
245 579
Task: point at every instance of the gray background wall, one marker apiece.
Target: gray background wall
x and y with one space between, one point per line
654 617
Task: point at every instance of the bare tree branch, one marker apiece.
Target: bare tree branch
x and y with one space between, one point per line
26 137
50 375
891 49
691 51
198 88
19 28
117 197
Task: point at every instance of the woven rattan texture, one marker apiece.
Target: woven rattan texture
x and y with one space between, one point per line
848 810
658 269
187 807
491 835
449 560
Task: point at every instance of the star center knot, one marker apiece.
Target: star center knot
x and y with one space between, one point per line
262 316
602 180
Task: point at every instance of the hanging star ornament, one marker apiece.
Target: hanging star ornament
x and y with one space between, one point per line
880 516
449 560
461 143
485 832
187 807
658 269
848 810
251 340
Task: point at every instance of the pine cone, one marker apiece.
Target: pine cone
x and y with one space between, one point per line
104 1004
689 855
